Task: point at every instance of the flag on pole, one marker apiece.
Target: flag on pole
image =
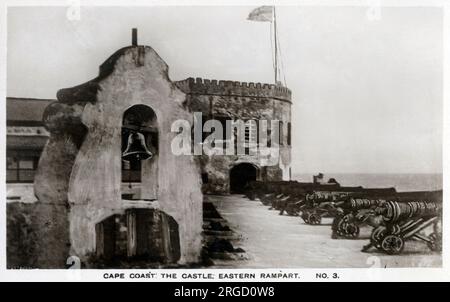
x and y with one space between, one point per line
261 14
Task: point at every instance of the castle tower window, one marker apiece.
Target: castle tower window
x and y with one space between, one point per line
226 128
281 138
247 140
251 132
289 134
250 136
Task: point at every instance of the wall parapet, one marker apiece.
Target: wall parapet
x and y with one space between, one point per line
233 88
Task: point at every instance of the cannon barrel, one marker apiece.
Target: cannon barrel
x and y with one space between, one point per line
363 203
398 211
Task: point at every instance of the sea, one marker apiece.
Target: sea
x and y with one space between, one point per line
401 182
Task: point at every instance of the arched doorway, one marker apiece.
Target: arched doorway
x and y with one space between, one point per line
138 234
240 176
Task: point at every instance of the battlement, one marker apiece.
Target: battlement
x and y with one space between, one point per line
233 88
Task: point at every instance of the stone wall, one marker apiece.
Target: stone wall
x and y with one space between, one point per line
78 180
233 88
218 170
37 235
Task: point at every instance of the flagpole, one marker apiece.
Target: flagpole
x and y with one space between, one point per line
276 50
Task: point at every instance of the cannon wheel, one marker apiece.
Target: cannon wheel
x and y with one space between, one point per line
351 230
305 216
347 228
392 244
377 236
314 218
338 225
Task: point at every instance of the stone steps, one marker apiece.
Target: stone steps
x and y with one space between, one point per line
219 239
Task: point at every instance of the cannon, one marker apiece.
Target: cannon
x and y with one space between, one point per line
289 197
358 210
320 204
257 189
327 201
293 201
266 190
361 209
273 195
279 195
404 221
352 215
311 201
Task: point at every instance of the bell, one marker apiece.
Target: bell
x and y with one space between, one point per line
136 148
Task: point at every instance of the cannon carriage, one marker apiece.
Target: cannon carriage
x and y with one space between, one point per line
257 189
279 195
359 209
267 191
317 205
311 201
368 208
403 221
335 202
395 217
290 196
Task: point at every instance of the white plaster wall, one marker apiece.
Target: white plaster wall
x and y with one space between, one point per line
95 182
25 191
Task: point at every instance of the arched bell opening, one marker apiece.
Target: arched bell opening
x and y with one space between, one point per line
139 153
240 175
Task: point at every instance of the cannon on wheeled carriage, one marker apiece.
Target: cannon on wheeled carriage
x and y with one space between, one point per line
310 200
317 205
337 202
352 214
285 196
289 196
403 221
276 194
361 209
266 190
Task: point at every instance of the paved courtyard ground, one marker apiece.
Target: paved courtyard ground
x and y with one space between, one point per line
274 241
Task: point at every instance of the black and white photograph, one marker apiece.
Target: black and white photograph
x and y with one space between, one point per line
270 136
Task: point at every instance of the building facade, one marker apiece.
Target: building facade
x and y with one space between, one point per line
93 174
230 101
220 100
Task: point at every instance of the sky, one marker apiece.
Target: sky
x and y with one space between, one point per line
367 94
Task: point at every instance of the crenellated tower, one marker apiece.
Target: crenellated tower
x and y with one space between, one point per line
231 100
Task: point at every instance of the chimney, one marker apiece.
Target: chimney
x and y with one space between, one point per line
134 40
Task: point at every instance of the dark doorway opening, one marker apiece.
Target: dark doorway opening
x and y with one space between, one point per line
240 176
139 237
